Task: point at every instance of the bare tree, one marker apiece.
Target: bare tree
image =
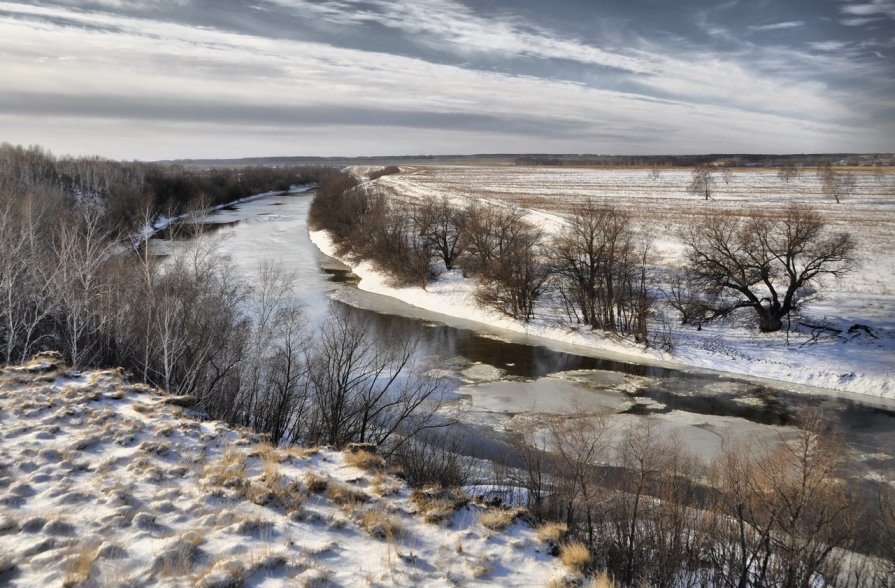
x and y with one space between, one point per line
727 174
783 510
81 247
365 385
836 185
702 182
601 269
27 274
439 223
514 280
580 444
788 172
763 262
488 233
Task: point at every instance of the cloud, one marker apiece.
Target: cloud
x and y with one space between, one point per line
829 45
779 26
447 24
876 7
858 22
138 87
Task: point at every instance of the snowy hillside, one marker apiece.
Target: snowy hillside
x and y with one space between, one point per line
108 483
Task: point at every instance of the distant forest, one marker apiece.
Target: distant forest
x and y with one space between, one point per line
730 160
548 159
126 192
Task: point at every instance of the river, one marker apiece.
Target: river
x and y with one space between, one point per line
494 376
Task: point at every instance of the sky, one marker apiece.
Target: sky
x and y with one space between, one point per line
165 79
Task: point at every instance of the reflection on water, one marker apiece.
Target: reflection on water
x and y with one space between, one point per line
188 231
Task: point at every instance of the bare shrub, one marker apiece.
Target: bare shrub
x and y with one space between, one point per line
601 269
434 459
385 171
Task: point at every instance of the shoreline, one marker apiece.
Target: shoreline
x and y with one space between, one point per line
450 296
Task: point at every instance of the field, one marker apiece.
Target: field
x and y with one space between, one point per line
663 208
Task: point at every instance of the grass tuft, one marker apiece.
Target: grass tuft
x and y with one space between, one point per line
575 556
551 532
364 460
437 505
499 519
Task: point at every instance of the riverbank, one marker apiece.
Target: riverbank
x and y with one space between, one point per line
860 365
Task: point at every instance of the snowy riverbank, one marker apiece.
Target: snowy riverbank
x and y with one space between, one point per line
858 364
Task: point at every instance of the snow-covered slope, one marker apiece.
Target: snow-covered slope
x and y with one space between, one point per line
108 483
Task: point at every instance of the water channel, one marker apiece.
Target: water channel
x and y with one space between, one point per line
497 376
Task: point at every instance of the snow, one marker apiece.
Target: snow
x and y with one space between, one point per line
105 482
854 363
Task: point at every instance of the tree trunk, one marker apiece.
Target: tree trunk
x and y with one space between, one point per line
768 321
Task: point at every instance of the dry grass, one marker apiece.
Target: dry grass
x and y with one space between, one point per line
385 486
346 497
80 567
297 452
270 470
266 451
602 580
437 505
177 558
379 523
499 519
316 483
229 470
574 555
480 567
364 460
551 532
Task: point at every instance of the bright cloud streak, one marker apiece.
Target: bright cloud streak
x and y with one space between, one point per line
122 81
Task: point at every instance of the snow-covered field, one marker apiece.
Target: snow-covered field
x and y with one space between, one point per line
108 483
663 207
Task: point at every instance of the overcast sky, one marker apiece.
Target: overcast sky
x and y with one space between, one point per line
159 79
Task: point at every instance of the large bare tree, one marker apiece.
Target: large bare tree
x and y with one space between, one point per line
762 262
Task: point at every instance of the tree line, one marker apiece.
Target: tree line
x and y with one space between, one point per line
241 352
126 191
597 265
